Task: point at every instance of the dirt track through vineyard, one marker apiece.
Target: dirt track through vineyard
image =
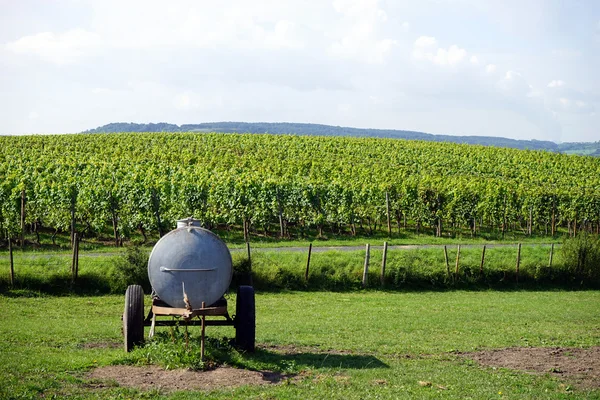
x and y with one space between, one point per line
296 249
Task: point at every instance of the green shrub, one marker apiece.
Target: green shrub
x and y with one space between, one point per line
130 269
582 257
241 270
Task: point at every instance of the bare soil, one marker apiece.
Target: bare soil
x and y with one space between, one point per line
580 366
153 377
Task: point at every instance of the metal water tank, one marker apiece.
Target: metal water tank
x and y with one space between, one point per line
190 260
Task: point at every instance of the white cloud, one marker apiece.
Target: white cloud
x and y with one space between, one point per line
563 98
474 60
490 68
425 41
424 50
452 56
570 105
513 84
190 101
359 36
530 103
405 26
556 83
360 8
144 25
282 36
183 101
57 48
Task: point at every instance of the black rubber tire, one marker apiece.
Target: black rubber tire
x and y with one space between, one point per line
133 317
245 319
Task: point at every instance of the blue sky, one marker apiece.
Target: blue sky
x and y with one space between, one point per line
520 69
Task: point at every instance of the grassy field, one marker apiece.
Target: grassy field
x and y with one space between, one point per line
351 345
413 268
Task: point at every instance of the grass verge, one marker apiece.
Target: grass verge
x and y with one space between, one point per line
406 269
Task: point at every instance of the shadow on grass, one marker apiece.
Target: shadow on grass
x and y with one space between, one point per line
93 284
289 361
411 282
57 285
176 350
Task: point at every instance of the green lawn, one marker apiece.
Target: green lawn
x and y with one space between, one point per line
384 342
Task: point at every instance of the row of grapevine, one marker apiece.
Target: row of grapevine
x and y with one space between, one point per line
146 182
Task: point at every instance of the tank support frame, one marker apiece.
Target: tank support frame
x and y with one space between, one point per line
185 316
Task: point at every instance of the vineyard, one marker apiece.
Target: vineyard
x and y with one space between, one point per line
289 185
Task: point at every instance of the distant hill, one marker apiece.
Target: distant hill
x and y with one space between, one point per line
329 130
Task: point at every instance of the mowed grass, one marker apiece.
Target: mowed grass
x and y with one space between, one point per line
350 345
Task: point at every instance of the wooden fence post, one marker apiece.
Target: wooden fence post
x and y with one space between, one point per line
77 240
12 265
22 218
518 261
249 263
73 223
73 260
457 259
482 261
202 333
387 206
447 264
280 212
366 268
308 262
551 255
248 253
383 262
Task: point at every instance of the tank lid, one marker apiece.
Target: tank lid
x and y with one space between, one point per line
189 221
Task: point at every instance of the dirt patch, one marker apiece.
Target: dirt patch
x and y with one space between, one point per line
153 377
581 366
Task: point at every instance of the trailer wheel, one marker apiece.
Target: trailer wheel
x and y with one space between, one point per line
245 318
133 317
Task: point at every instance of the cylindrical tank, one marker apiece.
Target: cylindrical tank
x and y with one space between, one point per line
190 260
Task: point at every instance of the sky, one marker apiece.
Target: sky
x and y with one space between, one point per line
522 69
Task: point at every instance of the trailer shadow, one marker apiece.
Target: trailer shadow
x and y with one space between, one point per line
290 360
